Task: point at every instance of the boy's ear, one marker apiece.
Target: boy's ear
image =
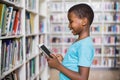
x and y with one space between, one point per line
84 21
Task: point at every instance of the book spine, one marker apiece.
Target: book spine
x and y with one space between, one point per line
2 15
16 25
0 57
9 16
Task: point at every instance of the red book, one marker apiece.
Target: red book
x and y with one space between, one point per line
16 22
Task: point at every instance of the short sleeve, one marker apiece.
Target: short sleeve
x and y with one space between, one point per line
86 55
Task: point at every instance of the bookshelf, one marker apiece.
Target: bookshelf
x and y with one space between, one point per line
22 28
105 30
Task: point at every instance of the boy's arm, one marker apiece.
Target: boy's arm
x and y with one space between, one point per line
81 75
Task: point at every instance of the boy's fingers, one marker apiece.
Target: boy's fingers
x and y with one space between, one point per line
53 55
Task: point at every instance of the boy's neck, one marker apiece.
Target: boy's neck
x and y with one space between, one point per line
83 35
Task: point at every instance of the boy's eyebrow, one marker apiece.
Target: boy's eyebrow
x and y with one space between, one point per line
69 19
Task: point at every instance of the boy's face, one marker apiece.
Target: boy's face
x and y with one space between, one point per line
75 23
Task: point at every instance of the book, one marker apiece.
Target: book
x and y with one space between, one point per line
8 19
0 56
12 54
12 76
32 67
27 23
41 38
16 22
27 71
12 22
41 27
2 14
32 22
30 46
4 24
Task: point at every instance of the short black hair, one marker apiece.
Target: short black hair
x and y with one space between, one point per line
83 10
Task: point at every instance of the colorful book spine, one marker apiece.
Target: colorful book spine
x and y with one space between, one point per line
8 19
2 14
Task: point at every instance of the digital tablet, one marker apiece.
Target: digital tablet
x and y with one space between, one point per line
45 50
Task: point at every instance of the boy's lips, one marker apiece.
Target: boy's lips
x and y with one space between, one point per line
72 31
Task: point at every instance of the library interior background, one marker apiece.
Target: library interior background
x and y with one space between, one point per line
24 24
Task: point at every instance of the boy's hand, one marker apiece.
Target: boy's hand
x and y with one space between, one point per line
59 57
53 62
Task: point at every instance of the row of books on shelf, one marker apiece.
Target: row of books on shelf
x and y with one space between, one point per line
56 6
11 54
107 39
107 5
14 1
31 66
110 51
42 62
58 39
94 28
10 20
105 62
41 26
58 18
107 51
59 50
30 69
12 76
108 17
41 38
112 39
113 5
30 46
59 28
29 23
106 29
30 4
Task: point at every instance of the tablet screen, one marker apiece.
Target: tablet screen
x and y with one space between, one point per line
44 48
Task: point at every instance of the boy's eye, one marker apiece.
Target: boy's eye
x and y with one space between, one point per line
70 21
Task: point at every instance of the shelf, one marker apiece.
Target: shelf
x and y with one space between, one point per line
32 11
29 35
104 30
60 44
111 33
118 63
17 16
104 67
108 44
108 55
15 4
31 56
10 37
11 70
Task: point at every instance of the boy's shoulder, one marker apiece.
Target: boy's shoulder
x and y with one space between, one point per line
85 41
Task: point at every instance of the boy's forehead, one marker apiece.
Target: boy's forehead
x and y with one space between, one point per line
71 14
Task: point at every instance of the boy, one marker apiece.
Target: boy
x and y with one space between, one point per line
79 57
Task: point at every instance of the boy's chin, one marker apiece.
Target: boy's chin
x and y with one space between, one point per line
74 33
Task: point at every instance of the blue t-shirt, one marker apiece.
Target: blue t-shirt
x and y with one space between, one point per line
80 53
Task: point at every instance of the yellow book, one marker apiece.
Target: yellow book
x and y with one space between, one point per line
2 12
32 22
